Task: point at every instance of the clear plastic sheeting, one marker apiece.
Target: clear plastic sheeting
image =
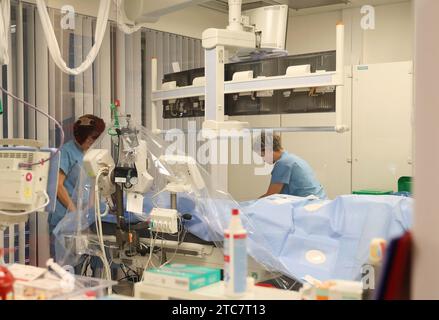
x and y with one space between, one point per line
55 52
288 237
5 22
120 19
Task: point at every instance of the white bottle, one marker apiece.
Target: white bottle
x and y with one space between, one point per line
235 257
377 251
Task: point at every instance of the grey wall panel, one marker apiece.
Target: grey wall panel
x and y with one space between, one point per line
54 79
79 79
42 101
129 70
161 53
120 70
137 76
30 70
105 85
88 74
96 81
20 70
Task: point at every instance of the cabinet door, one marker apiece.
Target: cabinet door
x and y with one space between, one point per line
382 125
328 153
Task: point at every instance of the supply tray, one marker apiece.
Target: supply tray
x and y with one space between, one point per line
83 287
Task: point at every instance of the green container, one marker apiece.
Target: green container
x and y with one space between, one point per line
405 184
373 192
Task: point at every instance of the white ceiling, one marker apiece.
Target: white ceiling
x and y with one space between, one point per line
300 7
293 4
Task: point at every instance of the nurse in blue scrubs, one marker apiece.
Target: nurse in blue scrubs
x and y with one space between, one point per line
86 130
291 174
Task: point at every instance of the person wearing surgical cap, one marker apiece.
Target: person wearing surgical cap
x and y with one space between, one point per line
86 131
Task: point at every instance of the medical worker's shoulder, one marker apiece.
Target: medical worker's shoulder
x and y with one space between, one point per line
70 154
287 160
67 146
70 148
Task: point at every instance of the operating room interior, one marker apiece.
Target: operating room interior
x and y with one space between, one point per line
147 126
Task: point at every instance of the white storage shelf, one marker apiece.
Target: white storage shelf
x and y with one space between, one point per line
212 292
312 80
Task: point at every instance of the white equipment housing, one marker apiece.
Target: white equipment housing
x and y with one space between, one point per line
23 188
164 220
95 160
144 178
272 22
184 175
228 38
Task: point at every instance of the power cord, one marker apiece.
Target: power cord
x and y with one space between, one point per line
98 223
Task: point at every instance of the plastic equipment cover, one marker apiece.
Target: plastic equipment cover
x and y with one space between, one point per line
288 235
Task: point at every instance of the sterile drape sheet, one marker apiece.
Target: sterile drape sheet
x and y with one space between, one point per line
291 228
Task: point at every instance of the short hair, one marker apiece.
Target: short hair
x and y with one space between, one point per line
88 126
266 139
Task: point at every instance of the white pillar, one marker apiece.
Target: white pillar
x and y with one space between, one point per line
215 84
154 80
425 278
340 126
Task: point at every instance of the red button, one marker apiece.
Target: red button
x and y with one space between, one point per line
29 177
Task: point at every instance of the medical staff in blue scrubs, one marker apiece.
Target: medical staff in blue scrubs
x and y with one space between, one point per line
291 174
86 130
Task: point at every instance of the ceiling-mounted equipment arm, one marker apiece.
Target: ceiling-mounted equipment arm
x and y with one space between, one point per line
235 15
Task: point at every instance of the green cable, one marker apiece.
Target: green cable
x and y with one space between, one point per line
1 107
116 125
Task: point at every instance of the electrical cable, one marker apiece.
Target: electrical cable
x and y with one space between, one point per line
176 249
98 223
151 249
14 214
161 248
86 265
33 107
146 247
97 242
135 273
155 195
118 150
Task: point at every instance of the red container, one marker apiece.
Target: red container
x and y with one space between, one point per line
6 284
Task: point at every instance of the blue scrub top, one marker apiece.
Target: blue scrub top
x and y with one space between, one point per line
297 177
71 162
